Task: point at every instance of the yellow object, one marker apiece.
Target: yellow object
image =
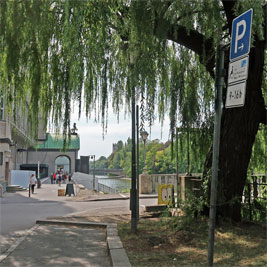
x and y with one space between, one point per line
166 194
61 192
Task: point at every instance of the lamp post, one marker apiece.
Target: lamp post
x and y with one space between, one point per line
93 157
144 135
133 195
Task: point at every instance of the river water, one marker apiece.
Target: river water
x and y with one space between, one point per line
116 183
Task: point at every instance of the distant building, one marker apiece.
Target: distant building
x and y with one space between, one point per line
14 142
18 151
114 147
51 155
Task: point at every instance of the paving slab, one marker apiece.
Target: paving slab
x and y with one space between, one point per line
60 245
63 244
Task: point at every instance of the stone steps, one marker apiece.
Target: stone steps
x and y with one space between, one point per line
14 188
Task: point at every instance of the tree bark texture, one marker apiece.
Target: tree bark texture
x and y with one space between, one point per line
239 125
239 129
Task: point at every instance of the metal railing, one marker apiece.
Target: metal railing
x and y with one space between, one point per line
256 189
106 189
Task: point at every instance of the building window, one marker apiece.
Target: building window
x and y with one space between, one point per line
1 158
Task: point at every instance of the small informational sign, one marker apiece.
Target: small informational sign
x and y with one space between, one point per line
61 192
241 32
69 190
166 194
238 70
239 61
236 94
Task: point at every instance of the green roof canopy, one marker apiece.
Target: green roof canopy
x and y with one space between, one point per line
55 141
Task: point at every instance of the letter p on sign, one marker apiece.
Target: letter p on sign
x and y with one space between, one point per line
239 35
241 32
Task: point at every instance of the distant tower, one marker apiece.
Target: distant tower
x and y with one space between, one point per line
114 147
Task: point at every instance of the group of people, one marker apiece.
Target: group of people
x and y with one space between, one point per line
59 177
56 178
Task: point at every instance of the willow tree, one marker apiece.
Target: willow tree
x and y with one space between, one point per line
55 53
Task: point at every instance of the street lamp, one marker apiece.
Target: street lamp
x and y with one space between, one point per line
133 194
144 135
93 157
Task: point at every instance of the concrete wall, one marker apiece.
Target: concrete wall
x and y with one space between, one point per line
21 178
5 148
14 143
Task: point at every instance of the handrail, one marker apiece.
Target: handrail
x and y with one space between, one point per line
106 189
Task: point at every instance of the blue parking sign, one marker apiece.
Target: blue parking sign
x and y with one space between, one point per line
241 32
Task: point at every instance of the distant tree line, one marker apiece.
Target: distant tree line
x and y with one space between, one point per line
193 145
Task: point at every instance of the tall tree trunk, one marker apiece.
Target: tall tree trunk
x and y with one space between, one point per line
239 128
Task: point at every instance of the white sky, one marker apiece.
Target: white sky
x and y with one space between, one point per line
91 133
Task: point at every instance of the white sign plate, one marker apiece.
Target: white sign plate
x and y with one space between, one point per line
236 94
238 70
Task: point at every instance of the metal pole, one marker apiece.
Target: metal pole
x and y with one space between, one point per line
188 152
38 174
137 161
133 189
216 145
144 156
177 166
94 173
38 169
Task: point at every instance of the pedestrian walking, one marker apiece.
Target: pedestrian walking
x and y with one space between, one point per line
70 175
32 182
52 178
59 179
64 177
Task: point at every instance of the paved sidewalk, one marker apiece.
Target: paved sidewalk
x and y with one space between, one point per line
66 242
60 245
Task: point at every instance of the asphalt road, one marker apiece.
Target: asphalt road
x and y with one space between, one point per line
19 212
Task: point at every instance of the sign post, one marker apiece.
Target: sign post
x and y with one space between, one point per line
216 146
238 71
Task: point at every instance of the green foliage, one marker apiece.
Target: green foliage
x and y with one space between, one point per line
258 161
189 210
159 158
101 163
257 209
54 51
116 161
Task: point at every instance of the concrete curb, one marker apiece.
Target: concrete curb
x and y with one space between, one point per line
114 198
117 253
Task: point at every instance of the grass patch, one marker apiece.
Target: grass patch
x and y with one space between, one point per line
168 242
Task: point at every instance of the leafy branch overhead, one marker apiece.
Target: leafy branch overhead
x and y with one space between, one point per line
54 49
56 54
